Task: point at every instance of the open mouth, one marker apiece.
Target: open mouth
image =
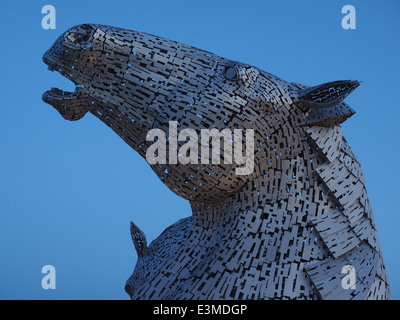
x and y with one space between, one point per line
57 96
71 105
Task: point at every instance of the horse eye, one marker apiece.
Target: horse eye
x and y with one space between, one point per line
81 37
231 73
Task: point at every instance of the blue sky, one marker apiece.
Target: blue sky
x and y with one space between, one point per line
69 189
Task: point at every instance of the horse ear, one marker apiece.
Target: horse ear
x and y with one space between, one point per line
139 240
325 95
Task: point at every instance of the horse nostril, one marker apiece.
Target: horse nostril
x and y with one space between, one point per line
129 290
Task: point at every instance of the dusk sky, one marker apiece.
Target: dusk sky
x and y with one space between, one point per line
68 190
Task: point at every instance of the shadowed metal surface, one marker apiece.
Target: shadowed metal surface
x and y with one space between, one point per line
283 231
